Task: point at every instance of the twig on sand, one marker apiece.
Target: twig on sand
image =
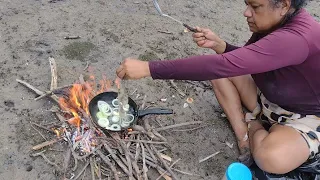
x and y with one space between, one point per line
116 159
75 160
82 170
211 156
186 173
45 144
129 163
87 65
66 161
144 102
144 166
93 177
192 129
72 37
143 141
108 162
177 125
177 88
157 134
99 171
42 127
54 74
162 174
81 79
136 157
149 129
39 133
163 162
46 159
150 152
165 32
152 164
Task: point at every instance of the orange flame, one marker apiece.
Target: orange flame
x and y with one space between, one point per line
79 98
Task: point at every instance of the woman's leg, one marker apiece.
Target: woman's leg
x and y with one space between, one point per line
231 94
278 151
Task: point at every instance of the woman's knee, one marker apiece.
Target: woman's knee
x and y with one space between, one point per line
220 83
271 161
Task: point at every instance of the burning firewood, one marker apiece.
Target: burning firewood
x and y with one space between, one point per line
132 150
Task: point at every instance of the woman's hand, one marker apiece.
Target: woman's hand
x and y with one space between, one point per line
207 39
133 69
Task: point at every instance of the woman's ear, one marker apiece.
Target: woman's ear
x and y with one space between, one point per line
286 5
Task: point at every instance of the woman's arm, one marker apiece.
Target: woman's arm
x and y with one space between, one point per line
278 49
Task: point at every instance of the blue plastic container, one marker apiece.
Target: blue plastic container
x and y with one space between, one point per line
238 171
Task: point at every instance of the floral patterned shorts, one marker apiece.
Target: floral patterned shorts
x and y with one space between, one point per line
307 125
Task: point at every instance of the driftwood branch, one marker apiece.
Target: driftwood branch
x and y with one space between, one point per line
48 93
37 91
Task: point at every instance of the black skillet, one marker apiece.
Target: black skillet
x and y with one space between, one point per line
109 96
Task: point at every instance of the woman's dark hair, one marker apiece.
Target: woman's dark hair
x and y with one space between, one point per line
295 4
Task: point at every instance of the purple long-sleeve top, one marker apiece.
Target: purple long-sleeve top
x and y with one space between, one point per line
284 64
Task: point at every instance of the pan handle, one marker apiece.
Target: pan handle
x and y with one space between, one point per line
158 111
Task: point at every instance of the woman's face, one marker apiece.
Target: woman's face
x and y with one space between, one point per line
262 15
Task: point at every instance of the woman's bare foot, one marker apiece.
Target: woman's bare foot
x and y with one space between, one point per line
245 154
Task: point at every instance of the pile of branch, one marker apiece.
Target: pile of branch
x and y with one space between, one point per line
116 155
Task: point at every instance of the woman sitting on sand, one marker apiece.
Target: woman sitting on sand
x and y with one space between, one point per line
275 73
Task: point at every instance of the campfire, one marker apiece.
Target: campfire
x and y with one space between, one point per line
127 154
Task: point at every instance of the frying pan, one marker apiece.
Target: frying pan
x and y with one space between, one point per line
133 109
